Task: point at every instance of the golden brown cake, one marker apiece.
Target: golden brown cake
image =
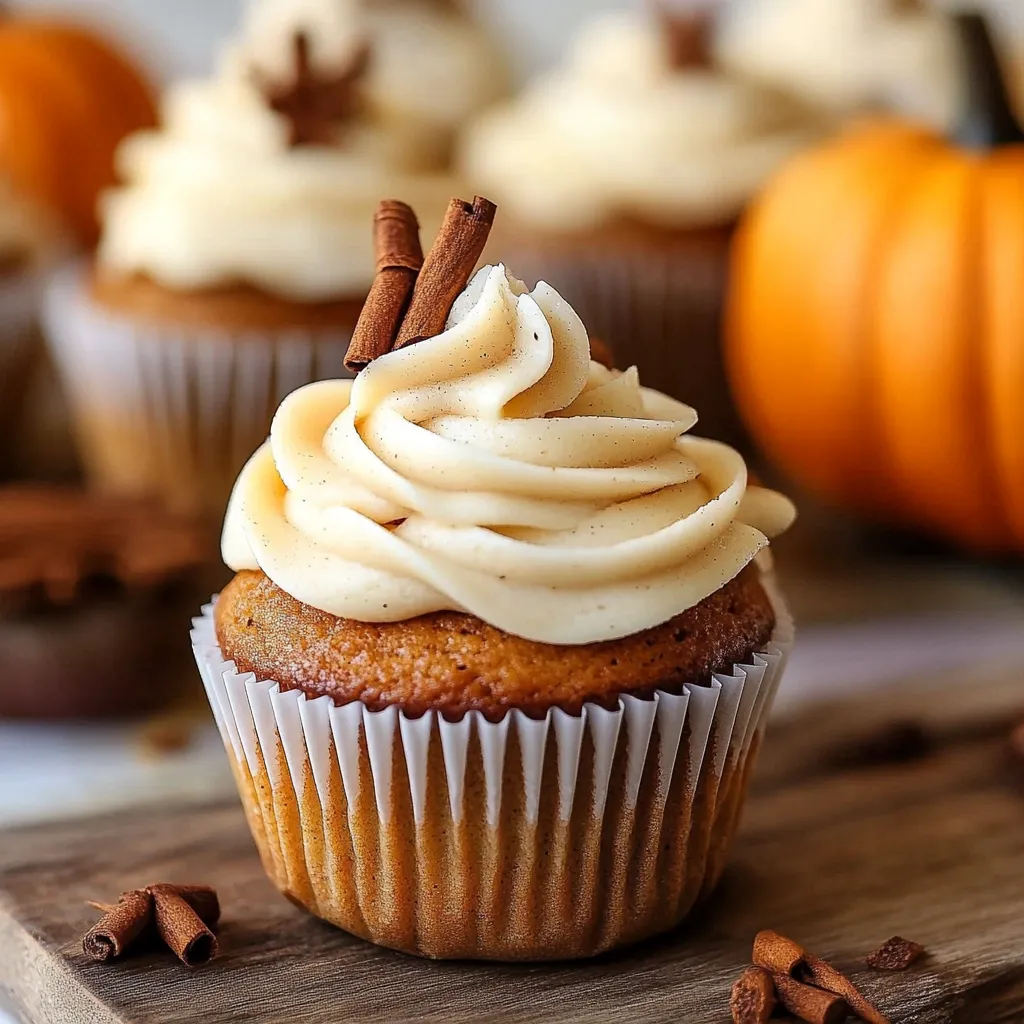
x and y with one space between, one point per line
225 308
455 663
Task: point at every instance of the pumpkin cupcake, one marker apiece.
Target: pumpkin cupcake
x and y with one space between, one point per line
496 662
90 589
235 258
622 174
847 57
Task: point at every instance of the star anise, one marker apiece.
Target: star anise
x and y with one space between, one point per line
315 105
687 33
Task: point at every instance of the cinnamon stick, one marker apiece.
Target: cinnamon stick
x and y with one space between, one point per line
120 926
753 997
181 927
825 976
399 255
776 953
201 898
809 1004
782 955
447 268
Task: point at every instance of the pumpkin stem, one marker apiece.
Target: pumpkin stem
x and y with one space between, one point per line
988 119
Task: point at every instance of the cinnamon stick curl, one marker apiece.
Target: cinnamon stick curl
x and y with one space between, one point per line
753 997
120 926
182 915
783 956
181 928
447 268
809 1004
399 256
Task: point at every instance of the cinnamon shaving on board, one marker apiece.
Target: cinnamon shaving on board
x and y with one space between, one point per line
809 1004
897 954
181 915
752 1000
782 955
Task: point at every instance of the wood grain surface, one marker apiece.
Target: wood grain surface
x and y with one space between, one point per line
843 845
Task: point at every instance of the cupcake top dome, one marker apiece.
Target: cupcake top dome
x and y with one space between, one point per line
495 469
268 172
846 55
633 126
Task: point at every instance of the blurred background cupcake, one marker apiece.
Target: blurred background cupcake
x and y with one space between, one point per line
93 592
621 174
845 57
67 98
234 260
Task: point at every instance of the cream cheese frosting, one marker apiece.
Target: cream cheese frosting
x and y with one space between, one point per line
619 131
496 470
216 195
847 55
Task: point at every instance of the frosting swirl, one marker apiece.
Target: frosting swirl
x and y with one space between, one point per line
846 55
494 469
621 132
216 195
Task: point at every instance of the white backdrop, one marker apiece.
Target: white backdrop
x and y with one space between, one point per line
181 36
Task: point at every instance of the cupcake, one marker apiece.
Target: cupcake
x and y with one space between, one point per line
236 256
90 591
495 665
621 175
845 57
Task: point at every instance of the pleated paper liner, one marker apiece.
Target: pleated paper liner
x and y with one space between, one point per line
174 412
521 839
20 294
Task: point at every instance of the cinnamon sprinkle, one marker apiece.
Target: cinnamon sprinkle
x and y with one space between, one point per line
396 243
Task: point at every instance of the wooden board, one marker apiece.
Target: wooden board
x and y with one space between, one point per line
838 850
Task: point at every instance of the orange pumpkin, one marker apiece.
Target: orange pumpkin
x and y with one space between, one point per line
66 100
875 328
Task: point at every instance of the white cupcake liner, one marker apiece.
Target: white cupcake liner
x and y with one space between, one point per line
517 839
174 411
